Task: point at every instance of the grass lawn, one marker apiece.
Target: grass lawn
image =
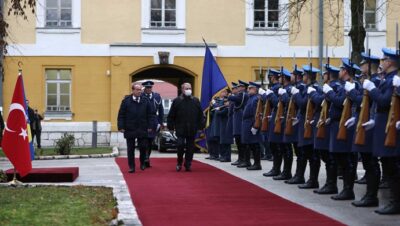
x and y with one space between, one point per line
75 151
76 205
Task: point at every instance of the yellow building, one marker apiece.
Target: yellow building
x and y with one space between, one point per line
79 57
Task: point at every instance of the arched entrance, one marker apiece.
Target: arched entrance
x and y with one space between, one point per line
169 73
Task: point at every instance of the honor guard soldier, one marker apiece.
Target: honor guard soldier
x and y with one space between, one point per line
251 136
240 100
225 136
213 136
156 122
390 156
229 126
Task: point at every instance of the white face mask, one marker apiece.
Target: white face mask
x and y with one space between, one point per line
188 92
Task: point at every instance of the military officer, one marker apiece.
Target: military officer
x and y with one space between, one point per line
156 122
225 137
251 136
214 129
390 156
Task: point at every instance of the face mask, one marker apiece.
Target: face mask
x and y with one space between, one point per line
188 92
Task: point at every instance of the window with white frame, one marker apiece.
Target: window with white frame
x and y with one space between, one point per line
58 90
163 13
58 13
370 14
266 13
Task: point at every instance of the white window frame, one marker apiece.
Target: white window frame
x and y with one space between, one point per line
41 16
163 9
59 21
266 22
180 16
375 14
58 81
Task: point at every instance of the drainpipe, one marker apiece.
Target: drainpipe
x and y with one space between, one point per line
321 33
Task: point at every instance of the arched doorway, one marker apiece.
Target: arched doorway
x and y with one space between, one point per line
169 73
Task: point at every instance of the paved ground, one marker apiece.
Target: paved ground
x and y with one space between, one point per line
105 172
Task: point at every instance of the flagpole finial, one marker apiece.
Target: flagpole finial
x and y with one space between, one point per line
20 66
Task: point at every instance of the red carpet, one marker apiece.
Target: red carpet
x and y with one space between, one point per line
208 196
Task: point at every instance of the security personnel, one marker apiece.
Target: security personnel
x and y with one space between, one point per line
156 122
298 178
390 156
341 149
274 140
134 120
225 137
370 163
240 100
251 137
321 145
229 126
307 144
286 144
214 129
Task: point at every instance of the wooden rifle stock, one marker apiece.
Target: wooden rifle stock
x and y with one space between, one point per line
346 114
309 116
321 129
267 112
394 116
291 113
278 118
258 116
362 118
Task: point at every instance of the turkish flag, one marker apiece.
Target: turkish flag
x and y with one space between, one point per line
15 141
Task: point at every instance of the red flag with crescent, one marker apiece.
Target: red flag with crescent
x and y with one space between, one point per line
15 141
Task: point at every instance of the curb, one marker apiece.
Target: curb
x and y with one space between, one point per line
113 154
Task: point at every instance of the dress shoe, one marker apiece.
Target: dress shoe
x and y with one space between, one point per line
178 168
143 166
237 162
296 180
147 164
131 171
363 180
268 158
209 157
243 165
327 190
345 194
254 167
283 176
366 201
272 173
188 169
225 160
309 185
391 208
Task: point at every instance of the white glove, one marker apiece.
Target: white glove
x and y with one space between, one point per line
349 86
396 81
281 91
295 121
398 125
350 122
213 101
217 108
261 91
368 85
294 90
327 121
326 88
310 90
254 130
268 92
369 125
311 122
158 127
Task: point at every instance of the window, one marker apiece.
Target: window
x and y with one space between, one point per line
163 13
370 14
58 13
58 90
266 13
258 73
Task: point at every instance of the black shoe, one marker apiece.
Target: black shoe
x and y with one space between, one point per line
254 167
366 201
143 166
268 158
345 194
283 176
178 168
244 165
327 190
296 180
147 164
235 163
363 180
309 185
225 160
188 169
131 171
384 184
209 157
272 173
391 208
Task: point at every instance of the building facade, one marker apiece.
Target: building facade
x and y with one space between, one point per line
79 57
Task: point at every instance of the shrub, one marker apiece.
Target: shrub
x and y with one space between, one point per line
64 144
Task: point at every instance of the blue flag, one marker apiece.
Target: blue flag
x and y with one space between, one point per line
213 81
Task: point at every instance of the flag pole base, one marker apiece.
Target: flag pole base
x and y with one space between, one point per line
15 182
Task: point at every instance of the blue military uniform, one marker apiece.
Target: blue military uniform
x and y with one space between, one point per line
214 131
225 138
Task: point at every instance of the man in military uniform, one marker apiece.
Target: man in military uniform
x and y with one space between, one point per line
156 122
225 139
134 120
390 156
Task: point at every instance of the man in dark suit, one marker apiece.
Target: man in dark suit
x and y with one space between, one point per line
134 117
186 118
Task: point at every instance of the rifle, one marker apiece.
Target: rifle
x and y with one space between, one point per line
309 115
321 130
291 110
265 119
279 111
364 112
259 112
